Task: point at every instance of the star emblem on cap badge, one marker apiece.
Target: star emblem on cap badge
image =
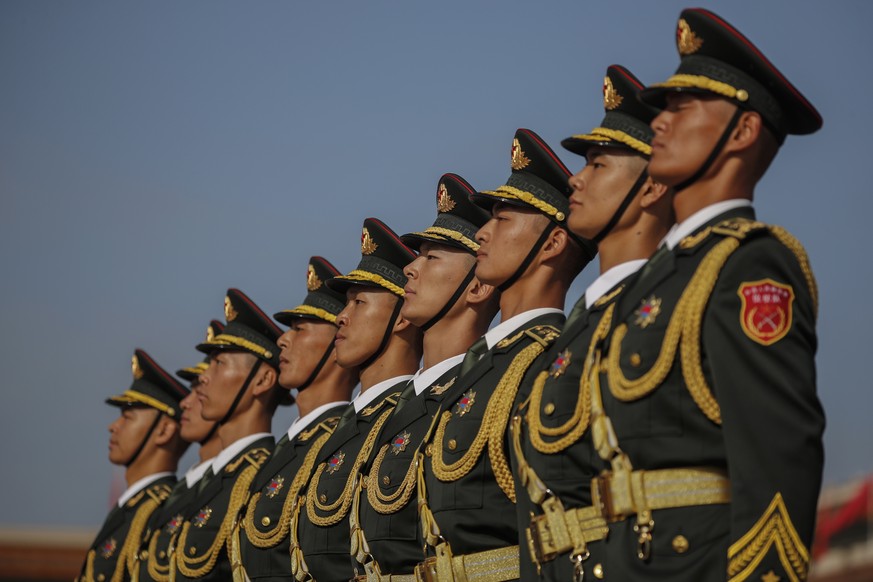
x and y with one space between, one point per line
368 245
135 369
229 312
312 280
444 201
519 160
611 98
688 42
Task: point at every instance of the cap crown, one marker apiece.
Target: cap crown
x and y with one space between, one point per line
152 387
321 302
248 329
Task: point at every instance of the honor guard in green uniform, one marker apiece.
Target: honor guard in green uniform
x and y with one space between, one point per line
617 205
145 440
706 406
453 309
466 493
238 390
386 348
153 557
307 363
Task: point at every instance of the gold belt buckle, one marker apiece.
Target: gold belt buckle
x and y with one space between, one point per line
539 535
601 496
426 571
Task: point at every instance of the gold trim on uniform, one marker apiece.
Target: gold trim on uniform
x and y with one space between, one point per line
313 311
606 134
224 339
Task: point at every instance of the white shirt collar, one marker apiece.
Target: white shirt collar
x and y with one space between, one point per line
423 379
610 279
233 449
304 421
373 392
504 328
699 218
140 485
195 473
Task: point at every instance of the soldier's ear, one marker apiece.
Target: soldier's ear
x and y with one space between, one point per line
166 430
555 244
265 380
746 133
653 192
478 292
401 324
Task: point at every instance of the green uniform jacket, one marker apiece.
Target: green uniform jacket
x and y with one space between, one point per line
112 555
153 558
724 378
264 540
201 546
392 531
323 529
473 510
566 461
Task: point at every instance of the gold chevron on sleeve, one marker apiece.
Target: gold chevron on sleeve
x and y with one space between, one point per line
774 529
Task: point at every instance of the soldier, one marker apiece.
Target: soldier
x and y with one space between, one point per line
468 496
153 557
386 348
453 309
617 205
709 375
145 440
307 363
239 391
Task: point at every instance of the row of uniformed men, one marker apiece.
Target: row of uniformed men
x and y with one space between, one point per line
668 429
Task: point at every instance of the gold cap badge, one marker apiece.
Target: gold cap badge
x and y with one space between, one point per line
210 333
519 160
444 201
688 42
229 312
611 98
135 369
368 245
312 280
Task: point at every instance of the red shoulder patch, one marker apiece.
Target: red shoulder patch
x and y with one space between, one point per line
765 315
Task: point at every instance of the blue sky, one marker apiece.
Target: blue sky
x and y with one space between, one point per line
154 154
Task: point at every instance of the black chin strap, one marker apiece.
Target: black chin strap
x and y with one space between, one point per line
318 368
239 394
452 300
145 439
713 154
387 335
528 259
619 212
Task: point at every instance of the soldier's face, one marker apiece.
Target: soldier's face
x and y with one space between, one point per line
432 279
599 189
505 241
303 346
221 382
362 324
127 432
686 131
193 428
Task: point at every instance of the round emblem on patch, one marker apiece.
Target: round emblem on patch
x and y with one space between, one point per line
274 486
202 517
647 312
519 160
312 280
400 442
611 98
766 314
560 364
368 245
107 548
444 201
687 42
174 524
465 403
335 462
229 312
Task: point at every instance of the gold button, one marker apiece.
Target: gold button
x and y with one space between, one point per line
162 554
386 480
598 571
193 550
428 450
144 555
322 498
364 482
680 544
549 408
453 444
635 360
265 521
559 216
742 95
101 577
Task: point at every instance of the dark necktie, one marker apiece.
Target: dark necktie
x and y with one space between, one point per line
653 261
576 312
405 396
347 416
479 347
205 479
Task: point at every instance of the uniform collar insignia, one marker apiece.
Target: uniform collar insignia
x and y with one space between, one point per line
440 388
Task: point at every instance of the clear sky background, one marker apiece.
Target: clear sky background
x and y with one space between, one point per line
153 154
